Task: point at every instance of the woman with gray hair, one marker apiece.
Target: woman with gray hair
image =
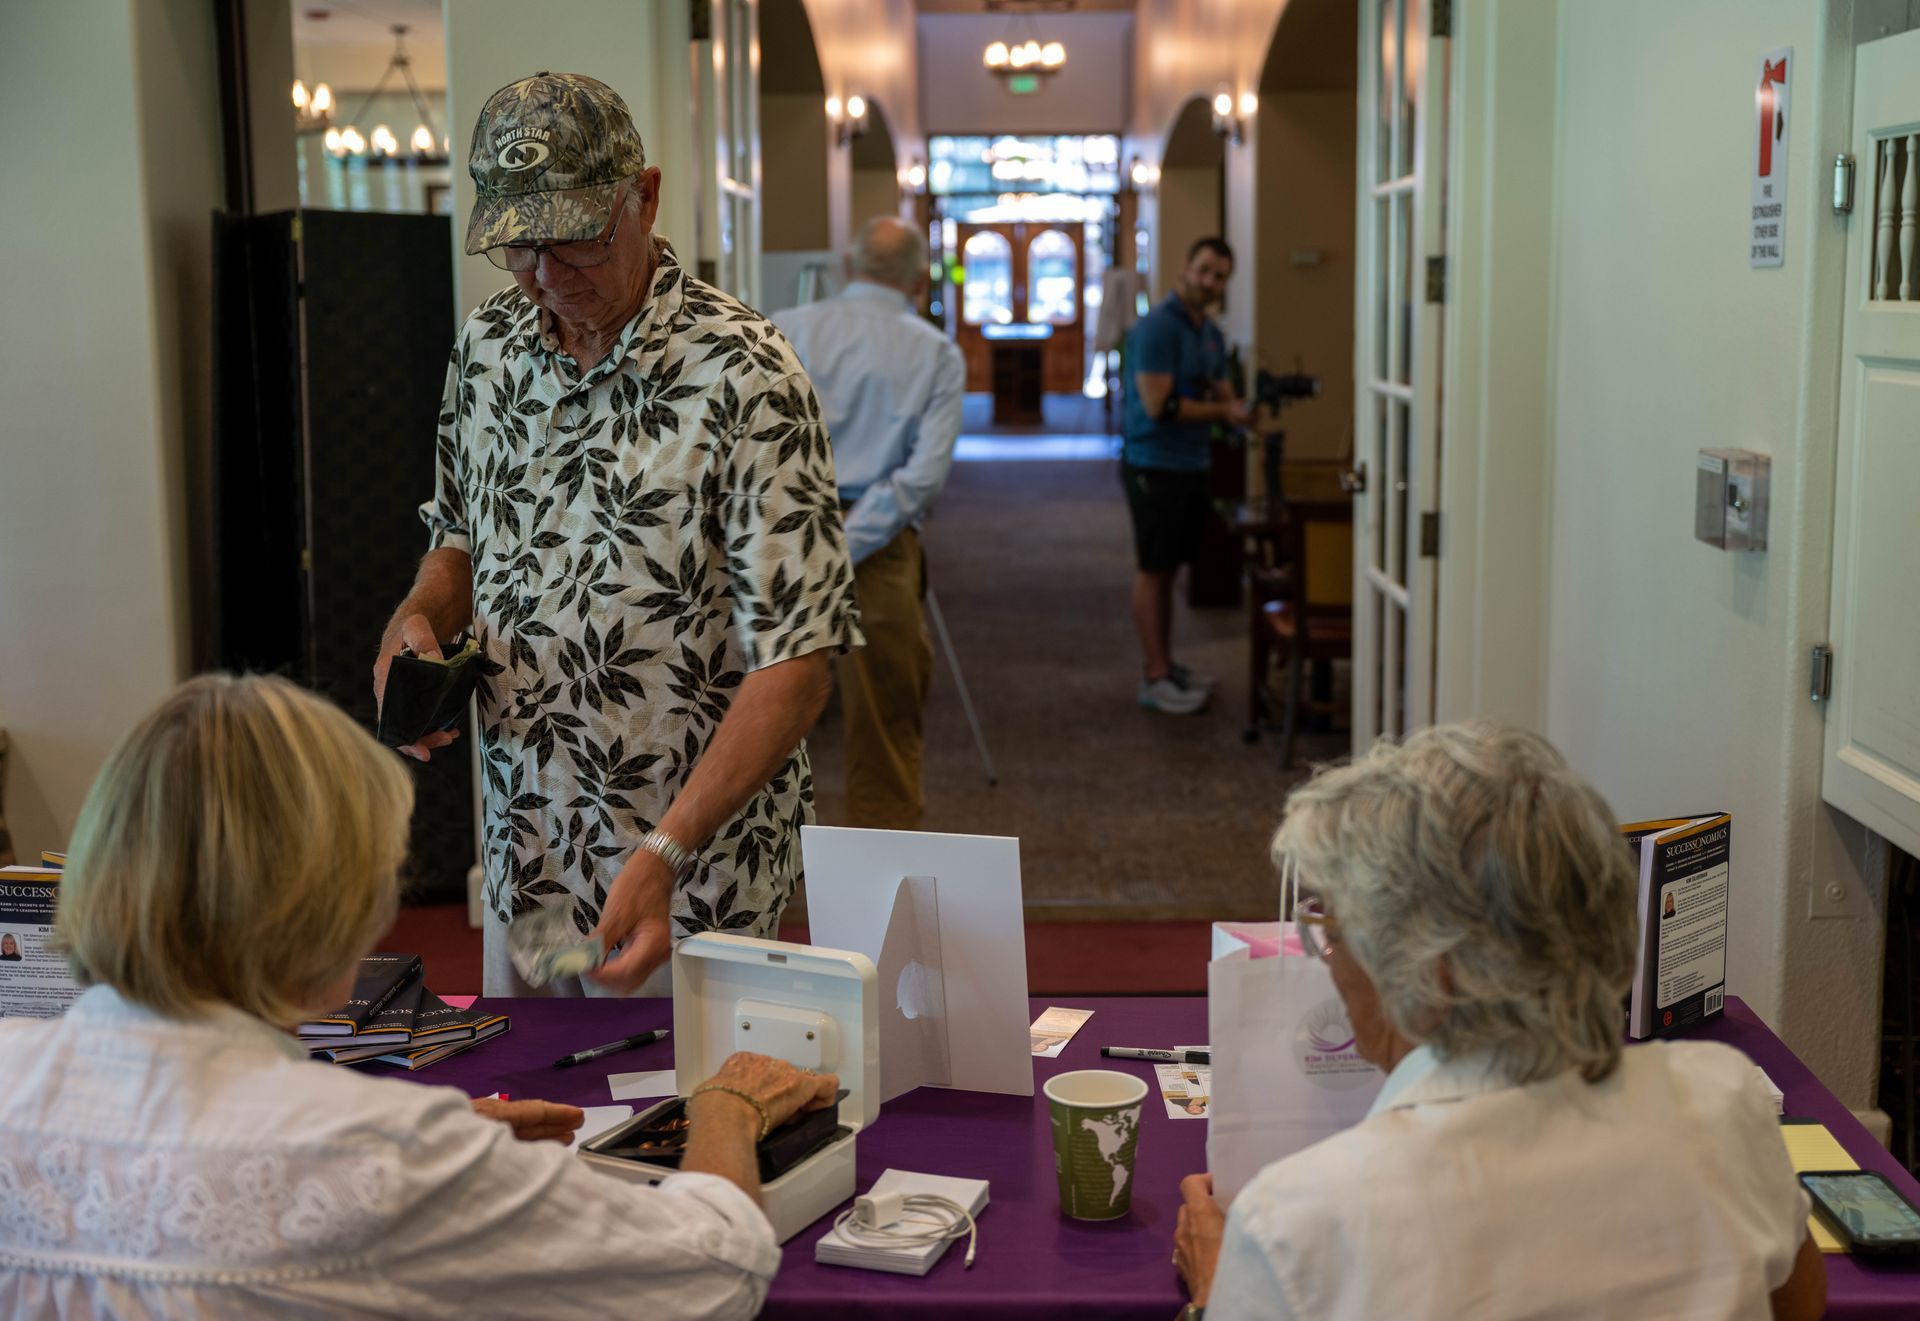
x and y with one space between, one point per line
1475 906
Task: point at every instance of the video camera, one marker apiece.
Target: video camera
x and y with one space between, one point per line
1276 389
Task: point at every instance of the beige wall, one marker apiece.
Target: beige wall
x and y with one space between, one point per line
1675 674
875 193
867 47
1189 209
1305 229
793 172
1192 48
1091 94
105 383
639 50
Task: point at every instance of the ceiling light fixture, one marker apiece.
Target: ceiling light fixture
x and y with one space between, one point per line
1020 65
383 140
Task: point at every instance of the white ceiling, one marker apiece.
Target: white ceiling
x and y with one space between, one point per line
347 43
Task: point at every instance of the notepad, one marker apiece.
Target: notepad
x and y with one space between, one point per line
1811 1147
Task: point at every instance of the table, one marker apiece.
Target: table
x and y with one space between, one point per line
1033 1263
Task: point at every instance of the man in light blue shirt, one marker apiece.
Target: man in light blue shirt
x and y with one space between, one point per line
890 385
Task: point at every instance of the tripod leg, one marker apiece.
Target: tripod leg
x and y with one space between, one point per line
960 682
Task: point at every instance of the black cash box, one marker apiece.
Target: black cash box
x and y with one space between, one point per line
658 1137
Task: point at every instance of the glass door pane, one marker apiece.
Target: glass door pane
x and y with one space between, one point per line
987 265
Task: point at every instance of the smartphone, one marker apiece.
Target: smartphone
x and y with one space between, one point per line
1866 1213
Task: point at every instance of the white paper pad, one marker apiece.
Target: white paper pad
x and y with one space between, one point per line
1054 1028
833 1250
1184 1086
599 1119
639 1086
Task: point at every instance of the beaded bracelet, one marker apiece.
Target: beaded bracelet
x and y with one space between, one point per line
766 1123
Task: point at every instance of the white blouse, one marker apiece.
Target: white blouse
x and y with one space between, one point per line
1663 1191
155 1168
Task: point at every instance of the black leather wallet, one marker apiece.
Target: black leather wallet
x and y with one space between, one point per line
425 696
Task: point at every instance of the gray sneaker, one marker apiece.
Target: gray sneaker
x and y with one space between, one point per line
1187 678
1167 696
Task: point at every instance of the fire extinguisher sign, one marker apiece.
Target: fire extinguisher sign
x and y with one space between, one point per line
1770 100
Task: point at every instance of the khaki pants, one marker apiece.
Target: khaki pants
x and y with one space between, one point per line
883 688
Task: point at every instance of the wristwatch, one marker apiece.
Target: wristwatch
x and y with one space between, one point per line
677 856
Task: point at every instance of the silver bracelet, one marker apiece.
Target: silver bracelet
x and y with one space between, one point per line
671 851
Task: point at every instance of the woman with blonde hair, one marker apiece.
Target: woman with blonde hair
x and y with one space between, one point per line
168 1149
1474 904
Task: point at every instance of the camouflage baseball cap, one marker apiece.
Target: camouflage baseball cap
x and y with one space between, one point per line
548 155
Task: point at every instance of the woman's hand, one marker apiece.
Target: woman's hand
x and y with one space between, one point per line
1196 1236
534 1121
784 1090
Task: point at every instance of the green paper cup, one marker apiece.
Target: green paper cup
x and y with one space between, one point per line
1096 1130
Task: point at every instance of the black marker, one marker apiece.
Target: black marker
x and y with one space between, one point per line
626 1043
1162 1056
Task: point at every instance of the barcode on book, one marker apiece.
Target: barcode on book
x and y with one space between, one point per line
1714 997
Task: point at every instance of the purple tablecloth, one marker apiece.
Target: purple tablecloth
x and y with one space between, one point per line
1032 1262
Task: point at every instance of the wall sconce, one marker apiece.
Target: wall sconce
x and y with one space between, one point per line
1230 119
1145 177
849 120
913 176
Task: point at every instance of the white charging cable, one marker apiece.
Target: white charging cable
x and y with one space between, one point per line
884 1221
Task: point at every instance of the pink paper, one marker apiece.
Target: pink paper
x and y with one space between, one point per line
1265 940
460 1001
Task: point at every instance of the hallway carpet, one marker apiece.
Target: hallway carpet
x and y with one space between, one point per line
1120 812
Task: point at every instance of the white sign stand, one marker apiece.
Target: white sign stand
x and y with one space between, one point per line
942 920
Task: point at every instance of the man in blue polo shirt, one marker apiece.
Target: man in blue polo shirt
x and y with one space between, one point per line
1176 391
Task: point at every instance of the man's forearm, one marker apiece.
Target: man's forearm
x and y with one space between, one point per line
442 591
771 713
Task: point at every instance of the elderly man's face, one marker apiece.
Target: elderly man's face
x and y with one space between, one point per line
611 292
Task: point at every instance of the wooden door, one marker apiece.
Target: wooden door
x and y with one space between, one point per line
1021 276
1397 367
1872 765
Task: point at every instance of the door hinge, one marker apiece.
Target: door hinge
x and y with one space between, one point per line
1441 22
1430 536
1820 684
1842 184
1436 279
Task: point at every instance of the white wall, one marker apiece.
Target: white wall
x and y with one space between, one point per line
106 381
1675 673
639 50
1091 94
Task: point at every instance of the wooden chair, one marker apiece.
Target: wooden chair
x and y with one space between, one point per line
1310 616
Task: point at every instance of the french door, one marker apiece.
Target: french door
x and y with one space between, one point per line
1872 764
1028 274
1398 292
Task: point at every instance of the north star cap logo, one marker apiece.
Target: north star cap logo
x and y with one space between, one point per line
524 149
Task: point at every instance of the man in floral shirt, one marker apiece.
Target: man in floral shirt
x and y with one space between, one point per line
635 512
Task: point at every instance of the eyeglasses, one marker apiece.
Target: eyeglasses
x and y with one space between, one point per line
581 255
1318 930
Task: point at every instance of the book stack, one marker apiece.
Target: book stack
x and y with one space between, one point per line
392 1018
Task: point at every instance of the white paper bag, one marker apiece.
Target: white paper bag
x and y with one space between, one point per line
1285 1071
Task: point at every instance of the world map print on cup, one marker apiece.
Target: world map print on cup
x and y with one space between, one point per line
1325 1049
1095 1119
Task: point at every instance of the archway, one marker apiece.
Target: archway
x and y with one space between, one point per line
797 259
1191 195
874 183
1304 172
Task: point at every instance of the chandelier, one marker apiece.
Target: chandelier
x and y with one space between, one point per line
1009 59
313 113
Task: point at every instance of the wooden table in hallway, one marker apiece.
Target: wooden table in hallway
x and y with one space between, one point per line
1033 1264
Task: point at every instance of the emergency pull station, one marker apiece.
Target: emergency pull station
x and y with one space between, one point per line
1730 499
